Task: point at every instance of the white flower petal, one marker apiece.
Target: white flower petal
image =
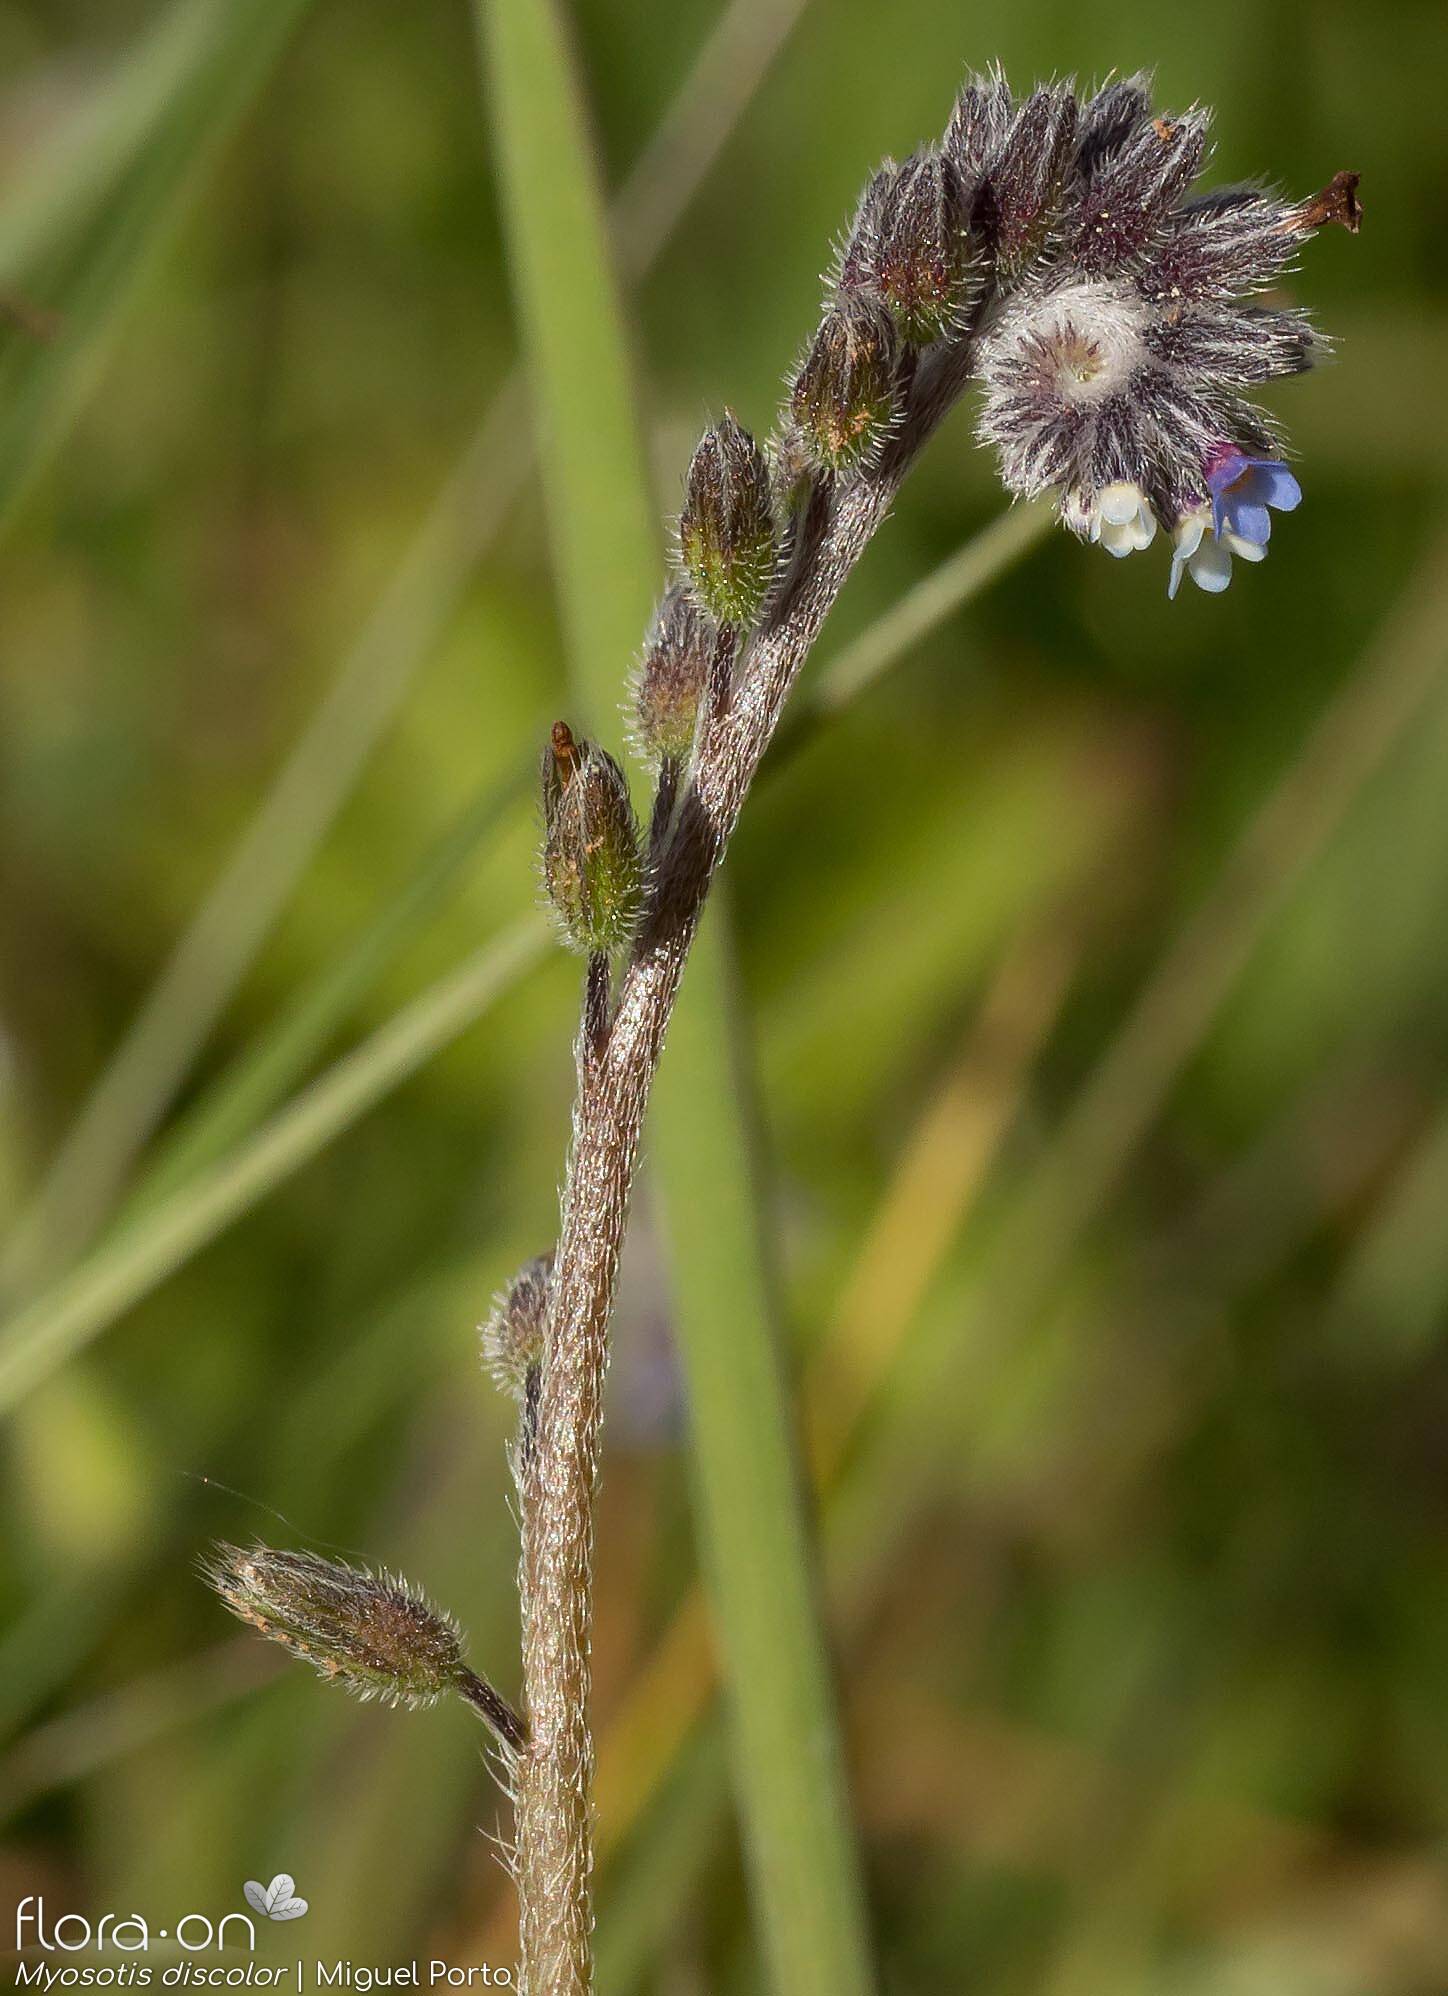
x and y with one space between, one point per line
1120 503
1211 567
1189 531
1244 550
1143 528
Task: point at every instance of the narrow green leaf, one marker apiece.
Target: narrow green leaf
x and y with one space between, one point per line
280 1057
128 1266
68 178
602 520
44 383
756 1544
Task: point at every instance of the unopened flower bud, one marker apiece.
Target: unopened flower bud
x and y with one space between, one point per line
672 675
1023 191
910 246
843 401
372 1633
726 530
591 865
513 1335
978 126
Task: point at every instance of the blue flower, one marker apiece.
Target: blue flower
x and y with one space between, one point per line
1242 488
1233 520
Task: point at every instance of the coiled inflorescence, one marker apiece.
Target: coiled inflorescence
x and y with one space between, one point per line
1117 350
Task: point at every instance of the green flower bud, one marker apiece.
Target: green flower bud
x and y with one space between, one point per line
591 864
513 1335
726 530
910 247
372 1633
844 396
672 676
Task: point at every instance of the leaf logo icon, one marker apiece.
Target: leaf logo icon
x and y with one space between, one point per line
278 1900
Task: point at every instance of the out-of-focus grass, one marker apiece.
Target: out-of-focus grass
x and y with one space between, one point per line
1135 1539
208 79
217 947
229 1152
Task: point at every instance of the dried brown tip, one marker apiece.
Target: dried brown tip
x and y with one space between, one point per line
565 749
1337 203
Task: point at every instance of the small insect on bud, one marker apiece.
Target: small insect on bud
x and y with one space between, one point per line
672 675
910 247
843 400
726 530
591 865
513 1335
369 1632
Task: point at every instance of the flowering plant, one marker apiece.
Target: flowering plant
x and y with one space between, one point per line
1052 251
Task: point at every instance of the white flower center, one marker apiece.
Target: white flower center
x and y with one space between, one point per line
1080 344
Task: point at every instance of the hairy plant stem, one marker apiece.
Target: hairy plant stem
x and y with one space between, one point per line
616 1066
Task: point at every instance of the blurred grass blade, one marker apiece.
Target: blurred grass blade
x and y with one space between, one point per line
1354 736
71 173
322 769
746 37
924 608
755 1541
602 522
223 938
44 383
278 1059
981 560
316 1015
640 1901
602 516
126 1268
1396 1278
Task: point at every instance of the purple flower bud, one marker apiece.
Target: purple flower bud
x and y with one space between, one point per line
1108 121
978 126
1243 348
843 401
726 530
1232 241
910 247
1021 198
1129 192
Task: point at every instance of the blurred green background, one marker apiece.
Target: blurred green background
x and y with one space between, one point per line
1091 965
